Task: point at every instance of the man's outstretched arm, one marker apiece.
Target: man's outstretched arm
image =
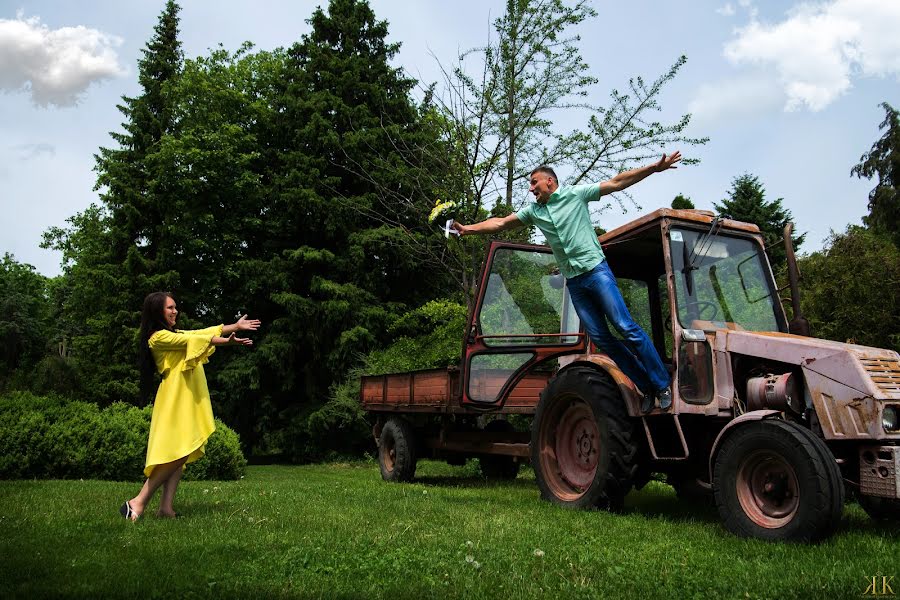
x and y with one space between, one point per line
492 225
628 178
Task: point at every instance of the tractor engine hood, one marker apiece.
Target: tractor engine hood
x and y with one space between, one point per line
872 372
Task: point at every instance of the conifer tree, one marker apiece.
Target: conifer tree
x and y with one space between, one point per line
109 252
335 278
746 201
682 202
883 160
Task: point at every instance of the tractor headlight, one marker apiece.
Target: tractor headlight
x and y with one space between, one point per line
889 418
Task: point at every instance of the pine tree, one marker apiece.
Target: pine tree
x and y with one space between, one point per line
883 160
682 202
746 201
336 280
109 252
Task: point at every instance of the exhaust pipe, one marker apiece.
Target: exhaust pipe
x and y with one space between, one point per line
798 325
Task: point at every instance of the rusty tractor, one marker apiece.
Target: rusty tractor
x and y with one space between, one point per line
772 425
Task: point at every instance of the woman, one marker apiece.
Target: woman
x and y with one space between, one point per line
182 414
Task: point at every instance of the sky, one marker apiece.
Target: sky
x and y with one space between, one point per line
786 91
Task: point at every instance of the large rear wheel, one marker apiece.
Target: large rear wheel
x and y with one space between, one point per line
582 449
396 450
774 480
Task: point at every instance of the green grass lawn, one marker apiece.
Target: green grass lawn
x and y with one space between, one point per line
339 531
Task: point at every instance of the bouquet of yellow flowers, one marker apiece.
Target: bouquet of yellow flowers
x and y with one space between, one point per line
440 208
444 209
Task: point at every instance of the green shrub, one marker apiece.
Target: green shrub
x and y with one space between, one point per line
47 437
338 428
429 336
223 458
54 374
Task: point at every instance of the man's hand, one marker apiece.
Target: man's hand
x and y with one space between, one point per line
667 162
460 228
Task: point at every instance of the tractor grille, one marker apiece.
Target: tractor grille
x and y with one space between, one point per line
885 372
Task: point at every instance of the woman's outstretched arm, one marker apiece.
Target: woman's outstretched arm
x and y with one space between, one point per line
242 324
231 340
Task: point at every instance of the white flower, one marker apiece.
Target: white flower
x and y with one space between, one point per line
476 564
539 553
470 558
469 544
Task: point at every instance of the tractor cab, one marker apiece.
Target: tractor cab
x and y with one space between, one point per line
685 275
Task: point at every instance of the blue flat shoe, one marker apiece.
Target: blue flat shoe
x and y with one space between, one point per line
126 511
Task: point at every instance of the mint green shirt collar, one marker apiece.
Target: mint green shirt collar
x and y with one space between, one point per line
565 221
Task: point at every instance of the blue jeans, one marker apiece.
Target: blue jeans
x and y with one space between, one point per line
597 297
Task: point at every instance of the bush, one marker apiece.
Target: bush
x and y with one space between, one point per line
47 437
54 374
427 337
850 290
336 429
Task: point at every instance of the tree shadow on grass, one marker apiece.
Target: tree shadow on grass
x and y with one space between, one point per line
660 502
472 481
858 521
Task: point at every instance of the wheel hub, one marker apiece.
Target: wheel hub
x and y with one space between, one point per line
576 448
767 489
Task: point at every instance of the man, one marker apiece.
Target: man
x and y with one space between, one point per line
562 214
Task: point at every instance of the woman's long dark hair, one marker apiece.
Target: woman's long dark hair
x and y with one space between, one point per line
152 320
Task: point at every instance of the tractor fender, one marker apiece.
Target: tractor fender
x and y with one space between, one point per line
755 415
627 389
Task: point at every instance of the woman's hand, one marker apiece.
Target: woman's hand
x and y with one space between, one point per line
245 324
231 340
242 324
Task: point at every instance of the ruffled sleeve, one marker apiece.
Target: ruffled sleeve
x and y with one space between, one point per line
199 347
196 346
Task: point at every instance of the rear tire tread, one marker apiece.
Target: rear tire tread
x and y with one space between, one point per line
601 393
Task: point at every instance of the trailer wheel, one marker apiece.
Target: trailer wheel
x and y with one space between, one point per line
498 466
396 450
581 441
881 509
777 481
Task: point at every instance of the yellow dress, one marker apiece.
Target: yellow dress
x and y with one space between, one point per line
182 418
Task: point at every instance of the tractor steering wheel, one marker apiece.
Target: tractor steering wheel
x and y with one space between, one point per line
702 305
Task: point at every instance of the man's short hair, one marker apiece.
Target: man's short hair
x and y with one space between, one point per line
545 169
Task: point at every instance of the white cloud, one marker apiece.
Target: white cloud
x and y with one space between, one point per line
819 48
30 151
727 10
735 99
55 66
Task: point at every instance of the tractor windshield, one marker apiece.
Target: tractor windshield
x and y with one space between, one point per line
722 282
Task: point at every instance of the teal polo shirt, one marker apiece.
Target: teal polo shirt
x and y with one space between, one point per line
566 223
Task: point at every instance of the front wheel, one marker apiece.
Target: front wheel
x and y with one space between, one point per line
396 450
776 481
581 441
